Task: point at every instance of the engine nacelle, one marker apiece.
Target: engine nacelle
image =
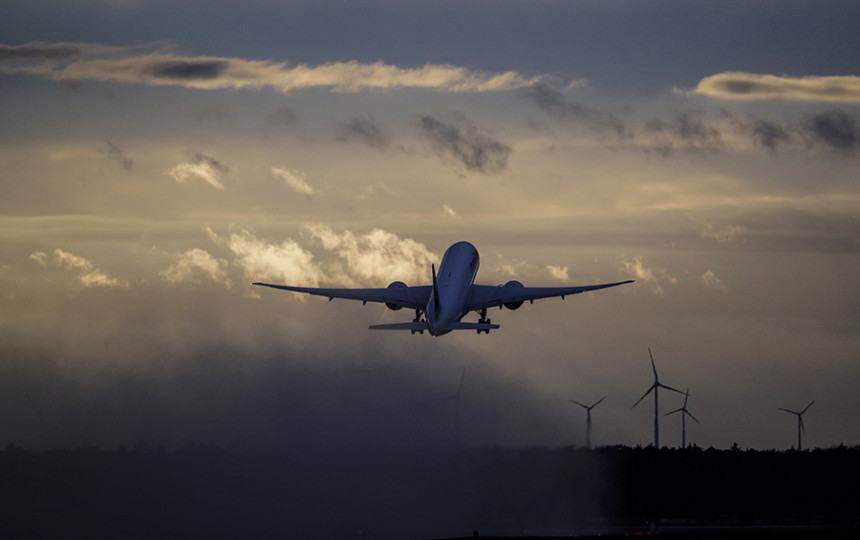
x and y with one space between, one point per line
393 287
513 285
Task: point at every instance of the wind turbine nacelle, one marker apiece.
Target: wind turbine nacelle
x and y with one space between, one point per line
513 284
393 289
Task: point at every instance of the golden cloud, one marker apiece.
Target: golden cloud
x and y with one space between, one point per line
751 86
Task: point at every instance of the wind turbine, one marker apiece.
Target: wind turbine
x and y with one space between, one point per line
588 419
683 410
800 428
655 387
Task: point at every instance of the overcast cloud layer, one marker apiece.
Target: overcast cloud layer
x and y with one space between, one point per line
149 172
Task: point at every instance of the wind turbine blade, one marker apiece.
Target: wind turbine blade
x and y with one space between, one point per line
645 394
661 385
578 403
802 429
598 401
789 410
652 363
673 412
807 407
691 416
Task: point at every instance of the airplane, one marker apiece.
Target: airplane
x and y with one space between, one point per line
452 295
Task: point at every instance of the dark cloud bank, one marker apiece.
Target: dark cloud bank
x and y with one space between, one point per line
364 130
458 137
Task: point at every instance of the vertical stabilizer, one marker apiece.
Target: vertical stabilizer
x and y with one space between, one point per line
435 289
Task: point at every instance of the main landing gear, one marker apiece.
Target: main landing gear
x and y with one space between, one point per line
417 319
483 320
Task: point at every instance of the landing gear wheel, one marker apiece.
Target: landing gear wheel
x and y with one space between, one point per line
416 320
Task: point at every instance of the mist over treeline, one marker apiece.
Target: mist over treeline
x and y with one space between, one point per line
413 491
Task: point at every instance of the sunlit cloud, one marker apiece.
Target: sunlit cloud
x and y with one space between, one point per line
202 168
294 179
284 262
558 272
512 268
378 256
447 211
711 281
87 273
656 276
728 236
194 263
84 61
752 86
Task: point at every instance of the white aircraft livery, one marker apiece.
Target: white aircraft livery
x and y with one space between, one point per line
452 295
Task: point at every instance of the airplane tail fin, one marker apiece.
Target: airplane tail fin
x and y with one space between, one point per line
435 289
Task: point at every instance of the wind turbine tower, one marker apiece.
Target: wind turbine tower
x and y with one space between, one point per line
683 410
800 428
588 419
656 388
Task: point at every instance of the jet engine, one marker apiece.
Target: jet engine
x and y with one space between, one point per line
393 287
513 285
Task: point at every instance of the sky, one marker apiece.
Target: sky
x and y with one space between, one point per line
157 157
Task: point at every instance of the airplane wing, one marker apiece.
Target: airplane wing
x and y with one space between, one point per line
399 297
487 296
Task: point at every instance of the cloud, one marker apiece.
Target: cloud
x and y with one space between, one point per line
82 61
39 51
293 178
835 129
377 256
88 274
283 116
769 134
347 258
711 281
729 236
558 272
195 262
554 103
752 86
364 130
115 154
683 132
654 275
201 167
513 268
447 211
286 262
459 138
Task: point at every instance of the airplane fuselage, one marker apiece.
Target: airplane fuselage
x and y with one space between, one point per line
449 301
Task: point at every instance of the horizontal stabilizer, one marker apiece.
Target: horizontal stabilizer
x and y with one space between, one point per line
414 326
473 326
420 326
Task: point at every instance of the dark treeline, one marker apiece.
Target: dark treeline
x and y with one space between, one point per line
413 492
